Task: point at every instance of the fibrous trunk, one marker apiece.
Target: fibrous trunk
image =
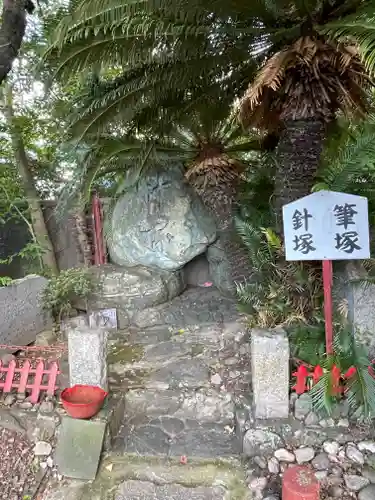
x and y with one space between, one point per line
220 199
297 159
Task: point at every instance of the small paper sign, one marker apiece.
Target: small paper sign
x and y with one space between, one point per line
106 318
327 226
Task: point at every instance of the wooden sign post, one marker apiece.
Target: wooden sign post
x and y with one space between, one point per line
327 226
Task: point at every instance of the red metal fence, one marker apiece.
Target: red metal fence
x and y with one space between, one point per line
26 377
100 254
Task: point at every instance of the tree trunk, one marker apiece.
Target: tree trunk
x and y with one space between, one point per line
297 159
228 257
83 241
12 31
37 218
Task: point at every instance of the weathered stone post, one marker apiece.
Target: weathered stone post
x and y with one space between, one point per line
270 373
87 354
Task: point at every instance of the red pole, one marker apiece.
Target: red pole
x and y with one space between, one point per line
328 307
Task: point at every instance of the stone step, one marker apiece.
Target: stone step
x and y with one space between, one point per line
136 478
175 423
172 437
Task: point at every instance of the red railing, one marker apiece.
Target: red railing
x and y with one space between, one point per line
26 377
100 254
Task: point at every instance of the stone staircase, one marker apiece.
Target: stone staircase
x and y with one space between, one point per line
183 376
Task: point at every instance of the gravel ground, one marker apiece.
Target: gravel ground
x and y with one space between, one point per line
17 476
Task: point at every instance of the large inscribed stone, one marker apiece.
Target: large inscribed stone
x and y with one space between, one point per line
159 223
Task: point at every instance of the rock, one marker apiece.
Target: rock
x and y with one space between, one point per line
196 272
327 422
355 483
25 405
303 406
9 399
336 491
6 357
260 462
321 475
336 471
260 442
42 448
355 455
21 396
321 462
304 455
10 422
131 290
366 446
145 490
273 466
368 493
369 473
331 447
46 338
312 419
160 222
343 422
46 407
284 455
216 379
22 313
258 483
43 429
220 268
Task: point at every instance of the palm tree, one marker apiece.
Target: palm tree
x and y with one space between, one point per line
213 150
294 65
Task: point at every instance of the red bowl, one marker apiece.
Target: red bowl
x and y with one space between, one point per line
83 401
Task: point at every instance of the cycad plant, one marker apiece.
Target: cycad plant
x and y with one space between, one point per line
348 162
213 150
346 374
278 292
293 64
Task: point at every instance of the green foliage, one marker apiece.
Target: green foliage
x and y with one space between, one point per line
31 254
5 280
64 289
279 292
202 141
348 162
152 59
256 191
308 344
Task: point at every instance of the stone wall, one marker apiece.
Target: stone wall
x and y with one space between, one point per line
22 314
357 300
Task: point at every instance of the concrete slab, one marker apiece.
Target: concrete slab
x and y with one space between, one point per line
79 447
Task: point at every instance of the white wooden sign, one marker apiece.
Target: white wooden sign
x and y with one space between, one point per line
327 226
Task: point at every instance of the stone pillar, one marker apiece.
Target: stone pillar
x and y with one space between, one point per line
270 373
358 299
87 354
